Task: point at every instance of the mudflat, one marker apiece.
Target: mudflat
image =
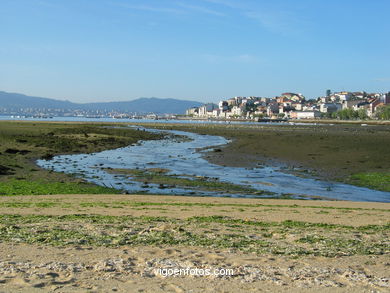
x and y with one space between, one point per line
23 142
349 153
104 243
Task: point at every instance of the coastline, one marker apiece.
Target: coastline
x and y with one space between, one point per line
116 242
295 121
350 154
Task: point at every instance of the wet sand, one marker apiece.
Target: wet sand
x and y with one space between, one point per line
268 210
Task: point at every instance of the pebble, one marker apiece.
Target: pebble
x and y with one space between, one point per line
305 277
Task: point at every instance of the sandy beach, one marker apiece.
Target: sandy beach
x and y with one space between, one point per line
51 246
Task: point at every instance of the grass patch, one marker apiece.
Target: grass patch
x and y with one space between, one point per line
374 180
24 187
184 206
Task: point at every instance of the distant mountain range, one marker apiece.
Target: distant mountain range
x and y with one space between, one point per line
13 102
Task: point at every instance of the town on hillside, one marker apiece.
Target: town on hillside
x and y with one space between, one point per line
341 105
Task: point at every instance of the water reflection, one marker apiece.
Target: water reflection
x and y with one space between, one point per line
181 157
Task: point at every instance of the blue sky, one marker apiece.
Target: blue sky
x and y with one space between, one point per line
206 50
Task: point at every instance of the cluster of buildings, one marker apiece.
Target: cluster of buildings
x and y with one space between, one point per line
292 106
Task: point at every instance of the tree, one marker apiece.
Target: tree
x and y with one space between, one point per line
383 112
260 116
362 114
347 114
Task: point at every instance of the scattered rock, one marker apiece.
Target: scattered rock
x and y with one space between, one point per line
59 273
11 151
47 157
24 152
21 140
16 151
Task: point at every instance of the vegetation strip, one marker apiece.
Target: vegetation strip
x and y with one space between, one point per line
25 187
291 238
375 180
116 204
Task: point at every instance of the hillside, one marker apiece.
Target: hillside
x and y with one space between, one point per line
14 102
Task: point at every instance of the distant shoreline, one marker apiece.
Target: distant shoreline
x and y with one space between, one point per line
319 121
197 119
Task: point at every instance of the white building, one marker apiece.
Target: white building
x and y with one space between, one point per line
216 112
330 107
343 96
352 103
223 105
207 110
305 114
192 111
236 111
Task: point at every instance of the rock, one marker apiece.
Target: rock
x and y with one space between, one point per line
47 157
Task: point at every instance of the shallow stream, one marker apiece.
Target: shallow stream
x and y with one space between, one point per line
181 158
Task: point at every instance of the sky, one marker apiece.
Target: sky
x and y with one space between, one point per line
204 50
